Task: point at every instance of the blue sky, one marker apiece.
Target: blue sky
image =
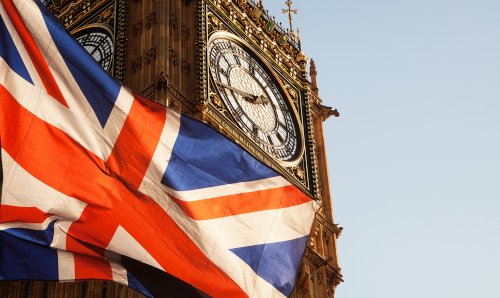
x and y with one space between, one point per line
414 159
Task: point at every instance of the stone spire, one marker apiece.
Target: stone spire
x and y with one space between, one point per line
314 74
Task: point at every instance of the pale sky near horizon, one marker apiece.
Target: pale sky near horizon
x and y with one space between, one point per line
414 159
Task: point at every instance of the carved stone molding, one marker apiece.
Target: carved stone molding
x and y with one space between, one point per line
185 32
315 260
138 28
137 64
216 101
334 276
292 93
213 23
320 277
174 20
325 112
299 173
151 19
107 15
162 81
150 55
186 68
337 230
172 55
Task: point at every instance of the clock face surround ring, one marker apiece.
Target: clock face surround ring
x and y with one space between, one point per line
255 97
97 40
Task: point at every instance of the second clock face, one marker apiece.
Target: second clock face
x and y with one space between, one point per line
254 98
99 45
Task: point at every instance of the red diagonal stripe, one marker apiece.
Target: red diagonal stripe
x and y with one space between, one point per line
281 197
22 214
34 52
140 133
51 156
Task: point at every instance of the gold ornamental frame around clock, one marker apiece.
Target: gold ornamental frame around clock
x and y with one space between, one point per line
281 88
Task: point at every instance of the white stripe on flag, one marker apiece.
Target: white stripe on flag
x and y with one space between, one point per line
229 189
119 273
28 225
260 227
163 151
124 244
66 265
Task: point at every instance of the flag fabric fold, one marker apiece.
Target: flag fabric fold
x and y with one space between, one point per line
99 183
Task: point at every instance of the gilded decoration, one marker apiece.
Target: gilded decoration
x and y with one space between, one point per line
106 15
280 44
299 173
216 101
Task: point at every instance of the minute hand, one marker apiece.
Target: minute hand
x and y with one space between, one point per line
245 95
258 99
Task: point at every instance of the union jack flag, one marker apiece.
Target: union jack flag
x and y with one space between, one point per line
99 183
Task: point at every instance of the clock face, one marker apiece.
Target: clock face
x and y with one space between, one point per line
99 45
254 98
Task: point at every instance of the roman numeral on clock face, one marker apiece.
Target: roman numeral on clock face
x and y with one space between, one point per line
239 112
282 139
255 130
237 60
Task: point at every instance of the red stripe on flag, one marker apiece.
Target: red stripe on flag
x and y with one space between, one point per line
281 197
87 267
104 227
34 52
140 133
54 158
22 214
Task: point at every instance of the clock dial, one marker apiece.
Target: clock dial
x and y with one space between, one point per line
254 98
99 45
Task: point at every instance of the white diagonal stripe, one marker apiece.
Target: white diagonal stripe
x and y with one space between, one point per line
124 244
260 227
229 189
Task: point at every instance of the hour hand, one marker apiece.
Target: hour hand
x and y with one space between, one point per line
261 99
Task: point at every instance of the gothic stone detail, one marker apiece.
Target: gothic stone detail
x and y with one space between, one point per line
250 18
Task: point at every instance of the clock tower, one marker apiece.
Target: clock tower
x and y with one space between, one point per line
229 64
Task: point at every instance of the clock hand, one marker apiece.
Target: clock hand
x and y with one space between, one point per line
236 90
260 99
